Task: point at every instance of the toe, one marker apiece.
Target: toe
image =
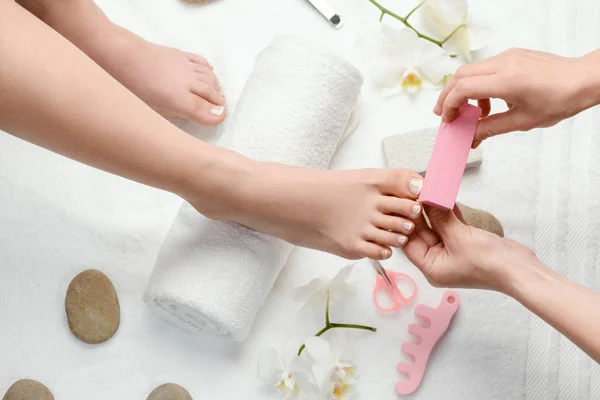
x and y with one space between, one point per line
197 59
204 112
398 206
386 238
208 78
394 224
402 183
374 251
208 92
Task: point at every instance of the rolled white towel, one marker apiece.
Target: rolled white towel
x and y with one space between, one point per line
296 108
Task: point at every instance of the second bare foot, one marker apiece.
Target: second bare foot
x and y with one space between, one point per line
172 82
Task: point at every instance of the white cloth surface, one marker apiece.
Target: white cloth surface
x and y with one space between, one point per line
213 276
58 217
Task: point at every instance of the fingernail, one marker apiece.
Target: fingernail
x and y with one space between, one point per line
401 240
408 226
415 186
385 253
217 111
416 209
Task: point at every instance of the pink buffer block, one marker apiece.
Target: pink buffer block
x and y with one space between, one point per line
449 159
437 321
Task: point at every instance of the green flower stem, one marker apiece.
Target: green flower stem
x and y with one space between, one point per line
404 20
452 33
333 325
413 10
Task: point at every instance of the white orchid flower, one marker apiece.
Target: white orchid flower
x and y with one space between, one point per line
451 17
316 291
407 63
333 368
292 378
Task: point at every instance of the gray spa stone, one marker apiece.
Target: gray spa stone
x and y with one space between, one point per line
481 219
27 389
413 150
92 306
169 391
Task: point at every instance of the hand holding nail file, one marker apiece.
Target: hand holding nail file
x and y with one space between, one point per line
449 159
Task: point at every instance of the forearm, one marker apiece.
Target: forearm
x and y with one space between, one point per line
53 95
570 308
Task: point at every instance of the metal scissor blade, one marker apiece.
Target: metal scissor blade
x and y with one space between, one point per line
381 271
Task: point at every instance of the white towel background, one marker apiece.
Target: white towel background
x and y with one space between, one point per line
58 217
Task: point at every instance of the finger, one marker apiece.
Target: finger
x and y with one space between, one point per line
485 106
394 224
403 183
477 87
459 214
498 124
424 232
416 251
476 143
444 223
485 67
391 205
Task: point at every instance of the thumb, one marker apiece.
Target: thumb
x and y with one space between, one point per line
444 223
496 124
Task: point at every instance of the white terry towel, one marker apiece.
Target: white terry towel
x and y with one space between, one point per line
295 108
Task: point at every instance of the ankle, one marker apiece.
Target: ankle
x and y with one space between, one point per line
220 187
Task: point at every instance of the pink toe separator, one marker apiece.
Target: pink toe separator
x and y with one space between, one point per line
439 319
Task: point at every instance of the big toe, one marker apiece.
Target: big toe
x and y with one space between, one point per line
205 112
208 103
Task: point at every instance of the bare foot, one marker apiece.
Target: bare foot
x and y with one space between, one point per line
353 214
172 82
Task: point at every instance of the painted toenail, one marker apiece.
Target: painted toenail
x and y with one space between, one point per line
416 209
415 186
401 240
385 254
408 226
217 111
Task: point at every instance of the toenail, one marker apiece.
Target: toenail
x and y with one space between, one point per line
217 111
401 240
385 254
415 186
416 209
408 226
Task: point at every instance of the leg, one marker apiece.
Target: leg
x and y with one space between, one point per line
52 95
174 83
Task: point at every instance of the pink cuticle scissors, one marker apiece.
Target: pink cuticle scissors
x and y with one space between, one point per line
386 282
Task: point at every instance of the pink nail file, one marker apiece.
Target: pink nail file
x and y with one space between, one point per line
438 320
449 159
